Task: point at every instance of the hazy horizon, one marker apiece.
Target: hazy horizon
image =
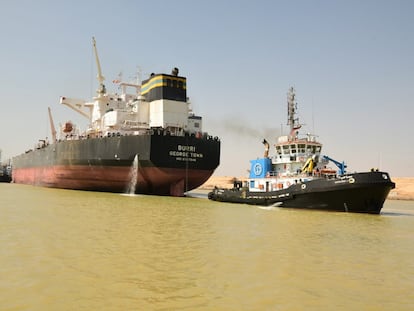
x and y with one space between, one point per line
351 64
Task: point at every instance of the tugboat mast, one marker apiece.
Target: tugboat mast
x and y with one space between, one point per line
293 120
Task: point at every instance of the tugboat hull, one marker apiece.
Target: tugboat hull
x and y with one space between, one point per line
358 193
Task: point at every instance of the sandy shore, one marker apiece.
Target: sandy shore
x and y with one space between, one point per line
404 189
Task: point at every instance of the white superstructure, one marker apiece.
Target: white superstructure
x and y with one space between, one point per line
158 103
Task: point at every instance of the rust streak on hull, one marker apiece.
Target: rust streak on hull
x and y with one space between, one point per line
151 180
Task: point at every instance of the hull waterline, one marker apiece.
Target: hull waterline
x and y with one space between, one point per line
160 181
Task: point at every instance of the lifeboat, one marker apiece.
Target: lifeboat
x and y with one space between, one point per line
68 127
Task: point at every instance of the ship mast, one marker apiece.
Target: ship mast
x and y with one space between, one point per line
101 90
293 120
52 125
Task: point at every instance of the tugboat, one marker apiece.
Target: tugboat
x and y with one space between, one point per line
298 176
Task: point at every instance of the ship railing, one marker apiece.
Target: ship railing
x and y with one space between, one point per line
283 175
71 137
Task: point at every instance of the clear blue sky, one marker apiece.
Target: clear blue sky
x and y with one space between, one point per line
351 62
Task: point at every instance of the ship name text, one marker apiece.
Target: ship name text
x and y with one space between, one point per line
186 153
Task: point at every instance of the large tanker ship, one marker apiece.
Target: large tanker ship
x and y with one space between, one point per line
149 136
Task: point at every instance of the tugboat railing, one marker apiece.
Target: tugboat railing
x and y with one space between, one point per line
315 173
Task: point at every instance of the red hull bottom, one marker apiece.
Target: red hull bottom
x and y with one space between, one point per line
150 180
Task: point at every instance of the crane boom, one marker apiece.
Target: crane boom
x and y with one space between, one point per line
52 126
100 77
341 165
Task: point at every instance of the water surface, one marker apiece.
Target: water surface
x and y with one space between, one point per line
77 250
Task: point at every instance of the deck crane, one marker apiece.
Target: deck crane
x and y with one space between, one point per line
100 77
341 165
52 125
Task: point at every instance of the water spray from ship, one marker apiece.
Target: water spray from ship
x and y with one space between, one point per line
132 187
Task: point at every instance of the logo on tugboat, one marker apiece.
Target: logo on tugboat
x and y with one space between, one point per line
258 169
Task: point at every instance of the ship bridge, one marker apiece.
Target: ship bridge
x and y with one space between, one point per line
291 154
297 150
169 107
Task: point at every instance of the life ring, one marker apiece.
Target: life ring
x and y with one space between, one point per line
351 180
288 183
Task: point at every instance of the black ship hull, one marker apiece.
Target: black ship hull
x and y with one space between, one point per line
5 175
164 165
5 178
359 193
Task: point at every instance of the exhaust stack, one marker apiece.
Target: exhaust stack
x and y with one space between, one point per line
266 151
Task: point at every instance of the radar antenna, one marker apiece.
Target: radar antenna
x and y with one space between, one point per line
293 121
